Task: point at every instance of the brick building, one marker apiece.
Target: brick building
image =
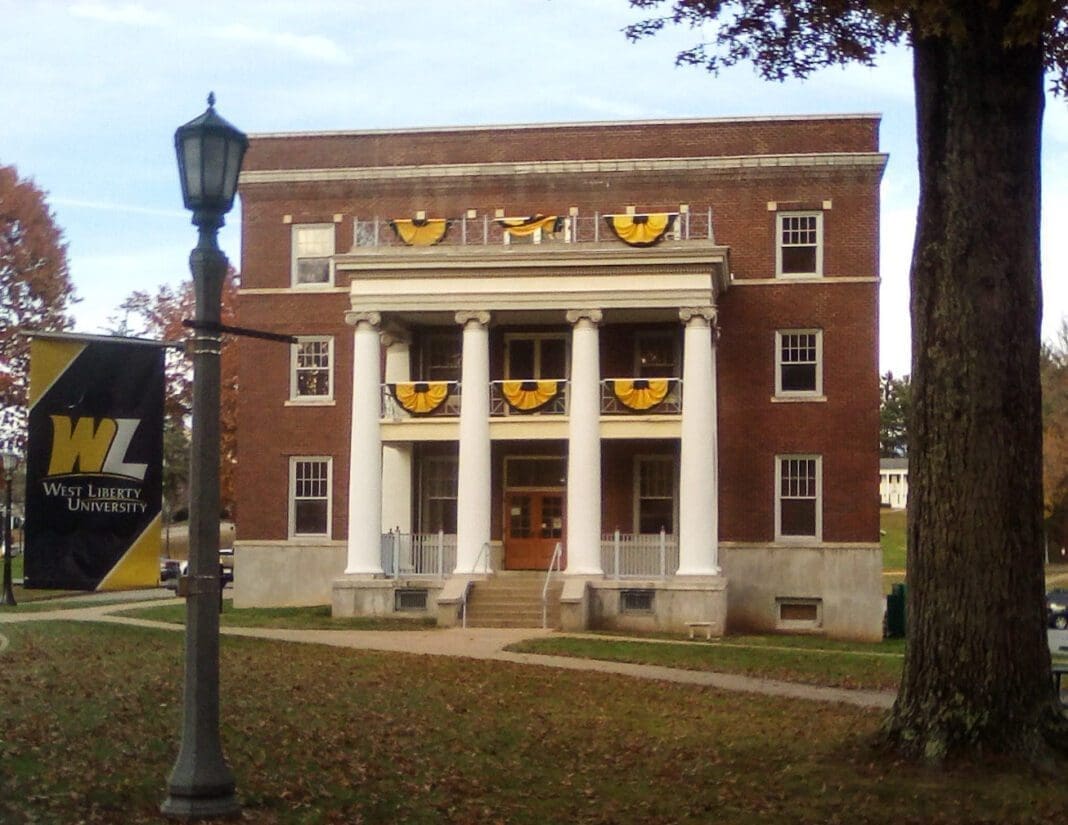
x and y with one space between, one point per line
652 345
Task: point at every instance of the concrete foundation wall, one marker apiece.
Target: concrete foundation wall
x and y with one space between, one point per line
280 574
843 583
363 596
675 602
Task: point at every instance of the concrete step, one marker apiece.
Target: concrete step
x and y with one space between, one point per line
512 599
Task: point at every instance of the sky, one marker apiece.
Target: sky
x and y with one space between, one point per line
99 86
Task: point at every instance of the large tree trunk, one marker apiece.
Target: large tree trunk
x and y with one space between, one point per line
977 667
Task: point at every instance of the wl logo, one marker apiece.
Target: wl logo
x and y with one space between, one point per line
100 449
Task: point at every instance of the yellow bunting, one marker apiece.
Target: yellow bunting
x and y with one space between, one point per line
529 396
640 394
421 232
641 230
420 397
521 227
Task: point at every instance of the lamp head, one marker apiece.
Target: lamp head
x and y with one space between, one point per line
210 152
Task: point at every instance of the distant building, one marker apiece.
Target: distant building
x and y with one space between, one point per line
653 344
894 483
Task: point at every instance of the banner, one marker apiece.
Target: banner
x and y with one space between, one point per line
94 464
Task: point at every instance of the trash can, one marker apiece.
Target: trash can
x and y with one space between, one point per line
895 612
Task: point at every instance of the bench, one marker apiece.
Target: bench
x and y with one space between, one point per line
706 625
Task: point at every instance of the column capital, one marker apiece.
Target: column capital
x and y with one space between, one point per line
594 316
354 318
394 335
708 314
465 316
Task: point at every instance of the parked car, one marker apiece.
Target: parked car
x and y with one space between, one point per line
1057 609
169 572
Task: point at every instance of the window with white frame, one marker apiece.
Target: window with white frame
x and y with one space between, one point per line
441 358
309 496
438 511
798 499
311 377
654 494
655 355
799 244
313 250
799 362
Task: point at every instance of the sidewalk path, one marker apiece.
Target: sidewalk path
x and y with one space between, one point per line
473 643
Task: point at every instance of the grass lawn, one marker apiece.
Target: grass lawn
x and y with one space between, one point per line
892 538
91 718
788 658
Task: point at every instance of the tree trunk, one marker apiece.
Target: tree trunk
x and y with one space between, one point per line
977 667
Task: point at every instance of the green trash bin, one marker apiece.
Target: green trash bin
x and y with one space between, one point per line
895 612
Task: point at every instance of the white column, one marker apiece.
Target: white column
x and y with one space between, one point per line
584 446
397 458
699 477
365 449
473 483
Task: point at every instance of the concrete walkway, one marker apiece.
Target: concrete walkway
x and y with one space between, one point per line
471 643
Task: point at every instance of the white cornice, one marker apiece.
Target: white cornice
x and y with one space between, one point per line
874 161
511 127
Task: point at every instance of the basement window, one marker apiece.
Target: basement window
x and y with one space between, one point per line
636 601
405 600
799 614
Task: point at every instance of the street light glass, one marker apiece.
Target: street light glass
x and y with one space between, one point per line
11 461
210 152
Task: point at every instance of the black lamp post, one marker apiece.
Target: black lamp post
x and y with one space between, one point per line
201 785
11 461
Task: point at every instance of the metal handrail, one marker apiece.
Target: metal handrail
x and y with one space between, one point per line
467 589
558 553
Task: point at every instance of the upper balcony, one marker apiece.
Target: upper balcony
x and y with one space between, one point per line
424 269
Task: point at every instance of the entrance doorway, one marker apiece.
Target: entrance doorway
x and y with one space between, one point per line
533 524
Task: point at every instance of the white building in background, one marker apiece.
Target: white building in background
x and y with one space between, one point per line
894 483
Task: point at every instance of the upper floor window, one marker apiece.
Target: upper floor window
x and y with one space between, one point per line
798 497
440 358
799 246
311 377
799 362
309 496
313 249
655 355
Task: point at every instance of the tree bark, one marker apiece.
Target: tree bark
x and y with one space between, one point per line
977 668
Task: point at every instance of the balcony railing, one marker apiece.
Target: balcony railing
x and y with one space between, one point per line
639 556
415 555
371 233
619 396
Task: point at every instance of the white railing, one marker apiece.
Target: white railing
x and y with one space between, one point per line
483 556
557 405
671 404
639 556
375 233
554 563
430 555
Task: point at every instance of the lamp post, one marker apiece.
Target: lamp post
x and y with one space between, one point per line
11 461
201 785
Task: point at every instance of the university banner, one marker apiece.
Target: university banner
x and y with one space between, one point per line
94 464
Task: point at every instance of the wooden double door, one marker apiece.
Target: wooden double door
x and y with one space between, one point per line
533 524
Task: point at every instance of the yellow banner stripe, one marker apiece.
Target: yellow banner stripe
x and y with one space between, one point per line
420 397
640 394
48 361
641 230
528 396
139 565
425 232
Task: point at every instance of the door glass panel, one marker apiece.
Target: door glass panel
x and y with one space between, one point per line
519 526
553 358
552 517
521 358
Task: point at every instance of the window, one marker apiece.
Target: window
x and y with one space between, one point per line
438 512
799 614
799 250
441 359
311 378
313 249
309 496
636 601
654 499
534 357
655 355
405 600
799 486
799 362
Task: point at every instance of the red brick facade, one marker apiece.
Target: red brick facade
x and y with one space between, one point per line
744 173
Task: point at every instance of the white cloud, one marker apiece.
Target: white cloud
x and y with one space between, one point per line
105 206
311 47
127 14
